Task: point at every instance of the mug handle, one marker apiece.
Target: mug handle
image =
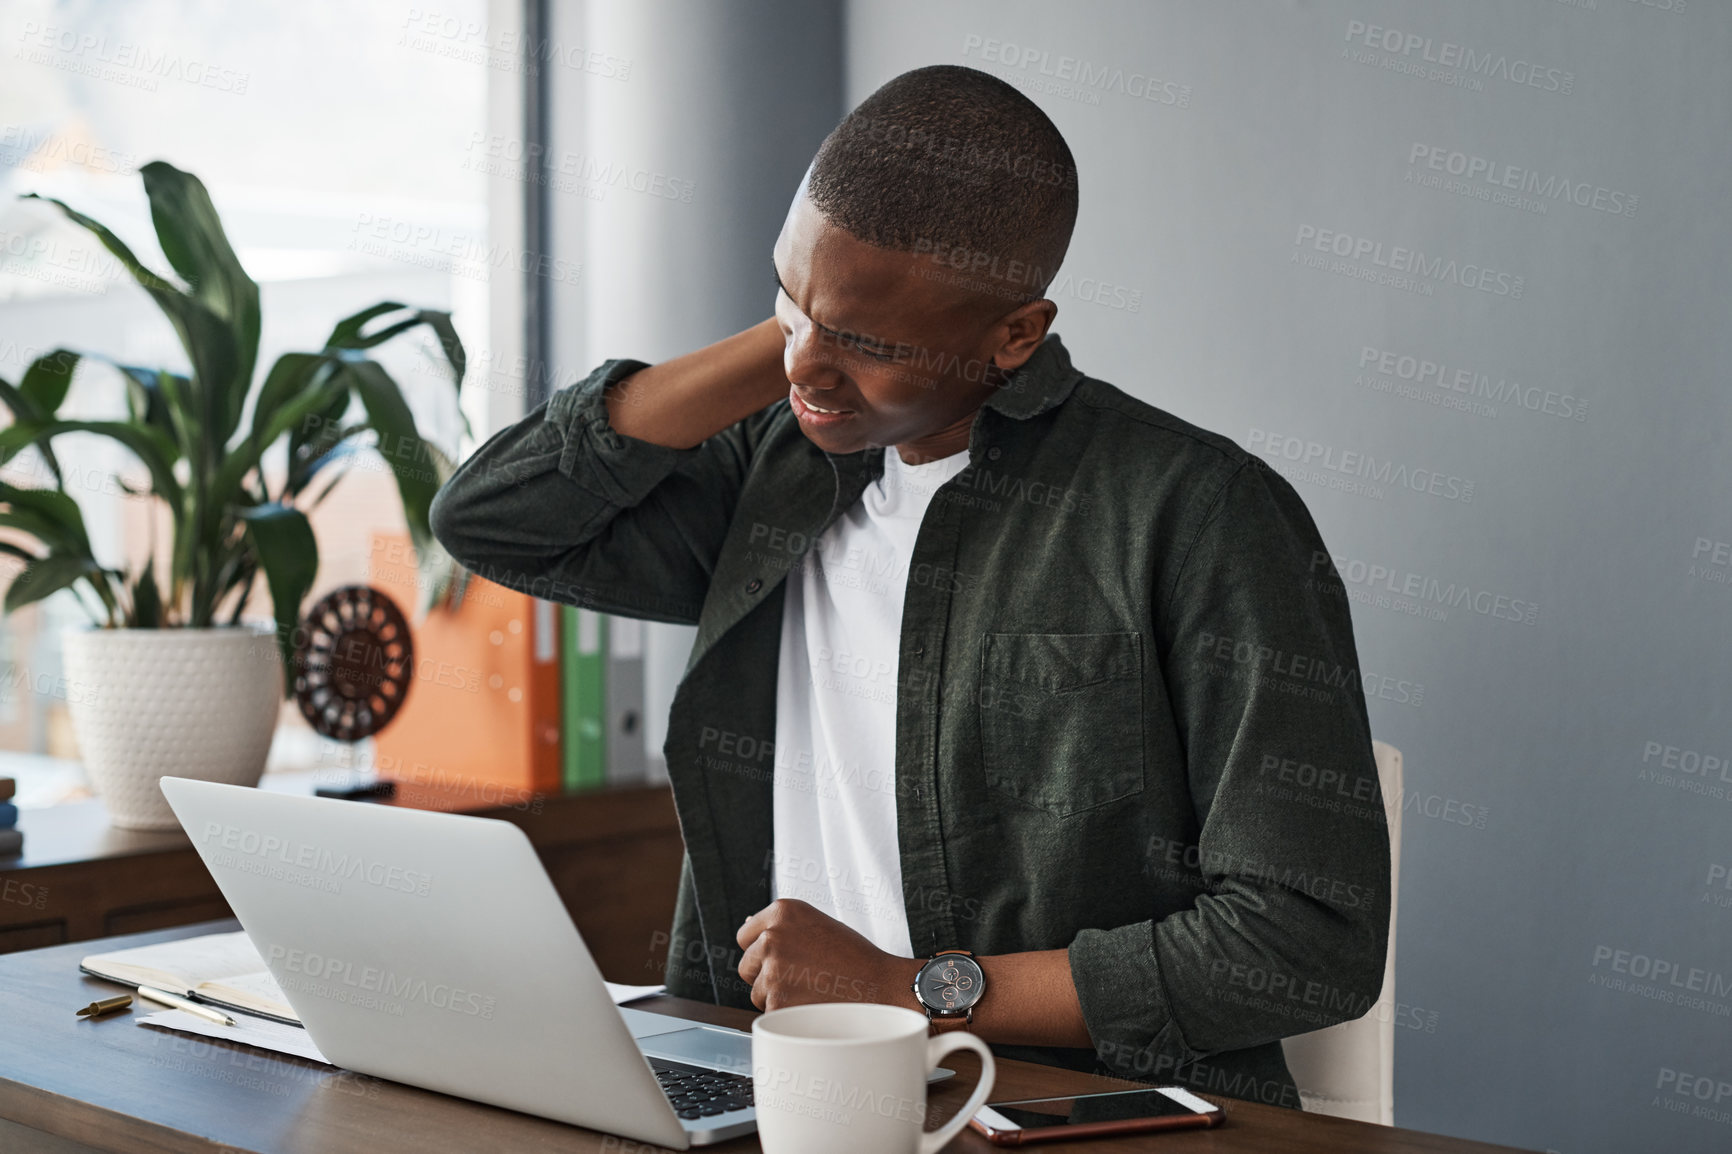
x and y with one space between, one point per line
936 1048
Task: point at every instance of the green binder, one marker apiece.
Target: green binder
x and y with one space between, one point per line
583 686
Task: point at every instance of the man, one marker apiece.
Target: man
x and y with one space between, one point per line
991 657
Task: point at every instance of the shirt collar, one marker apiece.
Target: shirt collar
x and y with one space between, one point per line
1043 381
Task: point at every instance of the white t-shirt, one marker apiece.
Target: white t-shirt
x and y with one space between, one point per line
835 783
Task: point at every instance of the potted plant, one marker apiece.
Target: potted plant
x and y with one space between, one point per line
168 679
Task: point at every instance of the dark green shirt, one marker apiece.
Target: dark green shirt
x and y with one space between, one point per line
1128 721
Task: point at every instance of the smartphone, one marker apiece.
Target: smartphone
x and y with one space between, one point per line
1025 1120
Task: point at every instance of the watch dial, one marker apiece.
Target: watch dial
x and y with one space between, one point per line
951 983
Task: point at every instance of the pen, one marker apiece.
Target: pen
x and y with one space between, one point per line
106 1006
181 1003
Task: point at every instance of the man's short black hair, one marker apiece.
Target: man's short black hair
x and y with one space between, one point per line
953 162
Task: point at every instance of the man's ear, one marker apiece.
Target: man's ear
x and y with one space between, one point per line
1021 332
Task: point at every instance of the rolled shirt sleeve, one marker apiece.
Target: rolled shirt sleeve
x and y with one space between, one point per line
1256 647
563 506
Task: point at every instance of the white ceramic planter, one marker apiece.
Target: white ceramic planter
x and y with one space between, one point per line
197 703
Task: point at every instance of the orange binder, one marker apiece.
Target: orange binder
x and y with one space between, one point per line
481 719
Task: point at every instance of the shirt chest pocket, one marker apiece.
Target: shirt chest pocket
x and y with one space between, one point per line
1061 718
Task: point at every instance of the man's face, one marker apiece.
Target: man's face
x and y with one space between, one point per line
897 356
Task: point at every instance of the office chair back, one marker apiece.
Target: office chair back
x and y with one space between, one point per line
1348 1070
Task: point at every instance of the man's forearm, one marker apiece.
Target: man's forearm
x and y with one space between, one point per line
1030 999
683 402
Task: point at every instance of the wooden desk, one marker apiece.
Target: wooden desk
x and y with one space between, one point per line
613 854
111 1085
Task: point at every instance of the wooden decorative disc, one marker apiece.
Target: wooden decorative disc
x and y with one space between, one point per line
353 663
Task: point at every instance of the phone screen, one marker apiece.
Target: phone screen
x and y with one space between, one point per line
1117 1106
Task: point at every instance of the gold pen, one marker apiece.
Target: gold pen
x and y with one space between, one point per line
106 1006
181 1003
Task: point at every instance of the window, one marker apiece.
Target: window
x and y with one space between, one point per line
337 141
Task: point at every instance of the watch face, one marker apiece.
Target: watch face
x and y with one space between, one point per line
950 984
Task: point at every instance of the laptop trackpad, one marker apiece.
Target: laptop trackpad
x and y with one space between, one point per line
702 1046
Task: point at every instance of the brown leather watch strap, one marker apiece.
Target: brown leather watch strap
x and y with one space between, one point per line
945 1023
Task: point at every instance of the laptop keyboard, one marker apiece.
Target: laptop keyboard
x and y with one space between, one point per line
699 1093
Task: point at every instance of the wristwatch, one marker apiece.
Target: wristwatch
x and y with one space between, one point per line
949 986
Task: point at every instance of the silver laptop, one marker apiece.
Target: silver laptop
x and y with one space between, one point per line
431 949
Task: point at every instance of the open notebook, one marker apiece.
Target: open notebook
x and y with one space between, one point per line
222 969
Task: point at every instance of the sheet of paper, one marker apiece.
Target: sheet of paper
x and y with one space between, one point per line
261 986
260 1032
200 959
622 994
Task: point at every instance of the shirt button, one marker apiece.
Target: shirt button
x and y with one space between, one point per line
754 585
994 453
920 651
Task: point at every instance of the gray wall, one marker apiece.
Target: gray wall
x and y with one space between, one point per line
676 170
1587 630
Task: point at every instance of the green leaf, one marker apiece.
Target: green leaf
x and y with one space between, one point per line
342 452
442 328
146 599
208 338
27 410
147 279
17 437
146 401
347 334
147 444
192 237
291 376
407 455
47 514
313 441
45 576
289 554
46 381
293 413
349 328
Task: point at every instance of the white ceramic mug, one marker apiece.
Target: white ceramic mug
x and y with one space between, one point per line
850 1078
